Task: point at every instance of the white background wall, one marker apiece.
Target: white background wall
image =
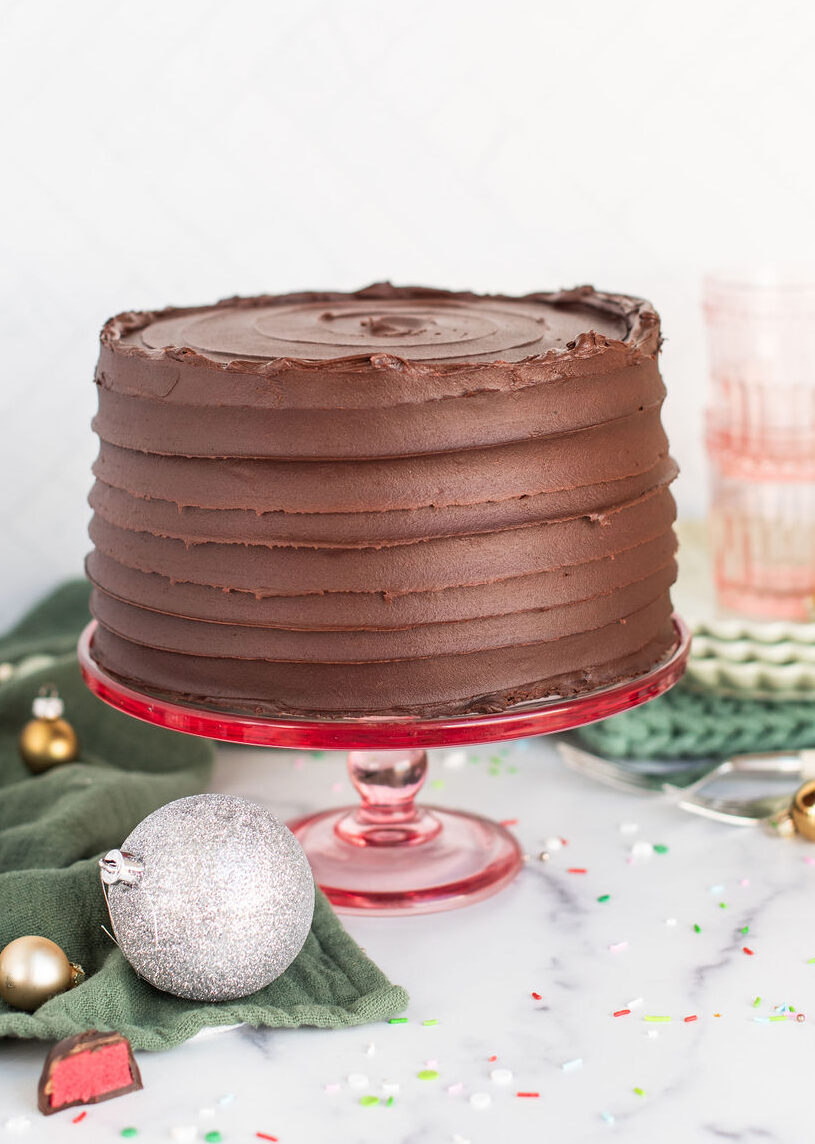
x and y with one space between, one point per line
176 151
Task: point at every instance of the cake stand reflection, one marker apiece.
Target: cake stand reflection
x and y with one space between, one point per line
387 855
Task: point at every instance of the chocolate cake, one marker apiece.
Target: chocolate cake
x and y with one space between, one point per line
399 500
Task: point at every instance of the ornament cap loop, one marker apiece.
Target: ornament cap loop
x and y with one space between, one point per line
119 866
48 705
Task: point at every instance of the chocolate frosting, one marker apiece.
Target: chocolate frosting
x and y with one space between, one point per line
400 477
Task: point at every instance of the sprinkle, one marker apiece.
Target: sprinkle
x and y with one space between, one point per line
265 1136
480 1100
635 1003
129 1132
357 1080
810 861
206 1113
621 1013
670 921
509 822
432 1064
745 882
397 1020
552 844
722 905
213 1137
716 889
571 1066
368 1101
454 760
652 1034
607 1118
431 1021
749 952
501 1076
77 1119
370 1050
629 827
697 928
437 784
332 1087
428 1074
577 870
757 1001
811 961
390 1087
604 898
639 1091
782 1017
744 929
458 1139
492 1058
528 1095
642 850
651 1017
762 1020
717 1014
618 947
227 1098
535 997
455 1089
693 1017
660 848
184 1133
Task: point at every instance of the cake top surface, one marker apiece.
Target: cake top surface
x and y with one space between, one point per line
408 323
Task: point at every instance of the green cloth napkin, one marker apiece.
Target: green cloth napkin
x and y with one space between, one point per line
54 826
686 723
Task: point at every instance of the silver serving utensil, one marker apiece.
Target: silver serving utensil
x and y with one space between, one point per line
685 787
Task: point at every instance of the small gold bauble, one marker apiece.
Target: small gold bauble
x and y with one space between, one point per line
45 743
803 810
33 970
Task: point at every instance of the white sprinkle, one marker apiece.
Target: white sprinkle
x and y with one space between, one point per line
455 760
431 1064
457 1139
206 1113
629 827
618 947
635 1004
642 850
455 1089
227 1098
370 1050
390 1087
334 1087
184 1133
652 1034
570 1066
607 1118
16 1123
357 1080
552 844
501 1076
480 1100
717 889
670 921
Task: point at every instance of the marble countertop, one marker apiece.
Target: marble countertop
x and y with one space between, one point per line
531 978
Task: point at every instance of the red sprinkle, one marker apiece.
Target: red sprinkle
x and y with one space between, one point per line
492 1058
577 870
749 952
536 997
509 821
77 1119
265 1136
693 1018
622 1012
527 1094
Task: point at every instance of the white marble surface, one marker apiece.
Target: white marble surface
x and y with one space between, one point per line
474 970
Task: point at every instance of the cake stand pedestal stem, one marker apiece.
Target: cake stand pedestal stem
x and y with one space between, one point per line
388 782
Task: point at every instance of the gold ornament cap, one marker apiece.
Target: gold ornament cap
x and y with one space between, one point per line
802 810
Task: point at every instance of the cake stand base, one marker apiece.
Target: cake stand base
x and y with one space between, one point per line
387 855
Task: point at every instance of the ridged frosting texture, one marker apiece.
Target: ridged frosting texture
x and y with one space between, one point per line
399 500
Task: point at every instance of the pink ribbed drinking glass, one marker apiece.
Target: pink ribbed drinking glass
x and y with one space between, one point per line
761 442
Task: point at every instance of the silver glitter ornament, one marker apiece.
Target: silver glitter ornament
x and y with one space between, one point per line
211 897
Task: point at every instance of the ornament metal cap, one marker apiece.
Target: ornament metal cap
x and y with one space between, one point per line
119 866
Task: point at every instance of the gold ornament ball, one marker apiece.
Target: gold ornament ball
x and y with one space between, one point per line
803 810
33 970
45 743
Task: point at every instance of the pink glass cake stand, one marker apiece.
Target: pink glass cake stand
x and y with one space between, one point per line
387 855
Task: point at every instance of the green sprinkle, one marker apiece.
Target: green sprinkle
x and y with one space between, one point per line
722 905
639 1091
397 1020
746 929
780 1017
697 928
317 754
811 961
660 848
512 770
494 771
428 1074
213 1137
604 898
431 1021
389 1102
368 1101
757 1002
127 1132
496 759
792 1008
653 1018
437 784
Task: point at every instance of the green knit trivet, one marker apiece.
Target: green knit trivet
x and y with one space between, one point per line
686 724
